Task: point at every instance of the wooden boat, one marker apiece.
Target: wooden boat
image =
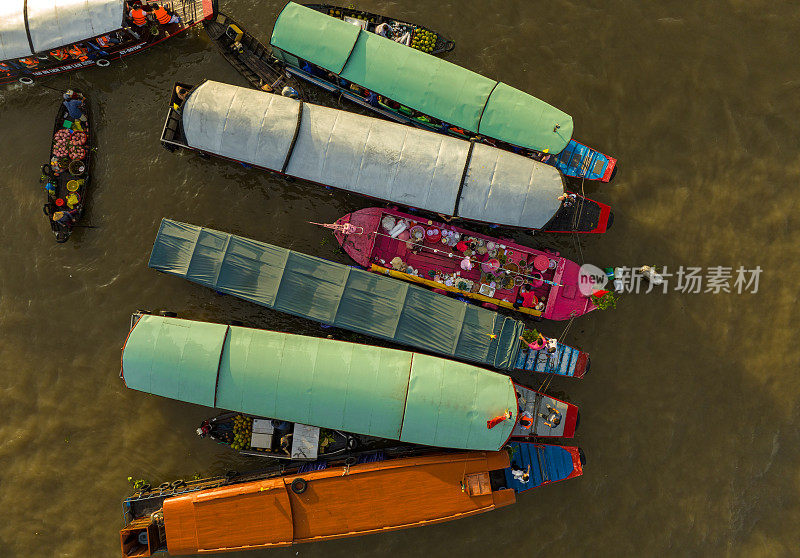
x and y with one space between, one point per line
264 437
39 39
429 92
418 37
248 55
378 159
492 270
350 387
66 177
347 298
289 505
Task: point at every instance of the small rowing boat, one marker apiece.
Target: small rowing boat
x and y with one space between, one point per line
66 176
494 271
375 493
246 53
399 31
279 439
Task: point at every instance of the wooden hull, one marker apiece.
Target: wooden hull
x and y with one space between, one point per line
332 503
250 57
434 259
58 198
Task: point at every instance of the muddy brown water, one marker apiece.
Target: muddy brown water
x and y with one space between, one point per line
690 411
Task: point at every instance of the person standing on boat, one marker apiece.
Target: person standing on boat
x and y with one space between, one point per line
520 475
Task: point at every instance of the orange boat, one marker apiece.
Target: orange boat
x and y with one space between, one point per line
336 502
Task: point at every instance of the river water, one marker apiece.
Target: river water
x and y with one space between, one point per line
690 412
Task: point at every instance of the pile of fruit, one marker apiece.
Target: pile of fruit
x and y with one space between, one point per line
69 144
423 40
242 432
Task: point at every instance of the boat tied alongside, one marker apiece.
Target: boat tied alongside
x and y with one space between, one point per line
403 32
296 503
494 271
250 58
378 159
352 299
39 38
416 88
278 439
367 390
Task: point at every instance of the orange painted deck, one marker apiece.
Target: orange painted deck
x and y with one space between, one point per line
368 498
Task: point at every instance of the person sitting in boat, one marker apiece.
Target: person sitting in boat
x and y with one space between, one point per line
181 92
74 105
552 417
164 17
520 475
384 30
286 444
538 344
137 15
526 297
65 218
567 199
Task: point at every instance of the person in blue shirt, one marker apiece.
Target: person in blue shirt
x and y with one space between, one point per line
74 105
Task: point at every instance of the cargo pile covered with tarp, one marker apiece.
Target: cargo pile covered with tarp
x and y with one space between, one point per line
375 391
371 157
336 294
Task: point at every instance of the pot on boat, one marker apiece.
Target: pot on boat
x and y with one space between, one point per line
77 167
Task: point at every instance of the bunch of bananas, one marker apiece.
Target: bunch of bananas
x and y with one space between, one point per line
423 40
242 432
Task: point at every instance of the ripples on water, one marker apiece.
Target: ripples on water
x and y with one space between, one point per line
690 410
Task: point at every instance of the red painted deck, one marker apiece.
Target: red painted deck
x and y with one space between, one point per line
439 262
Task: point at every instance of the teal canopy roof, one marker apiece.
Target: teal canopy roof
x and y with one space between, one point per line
336 294
421 81
357 388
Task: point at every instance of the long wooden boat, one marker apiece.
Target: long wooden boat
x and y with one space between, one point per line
378 159
403 32
367 390
347 298
473 264
251 58
420 89
279 439
66 177
39 38
289 505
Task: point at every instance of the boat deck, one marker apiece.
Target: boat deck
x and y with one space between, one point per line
547 464
566 361
432 259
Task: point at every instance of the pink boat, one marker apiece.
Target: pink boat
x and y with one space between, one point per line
496 272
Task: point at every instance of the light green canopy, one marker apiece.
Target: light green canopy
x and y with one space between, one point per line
336 294
421 81
357 388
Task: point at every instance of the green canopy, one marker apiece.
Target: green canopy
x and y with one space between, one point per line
421 81
336 294
357 388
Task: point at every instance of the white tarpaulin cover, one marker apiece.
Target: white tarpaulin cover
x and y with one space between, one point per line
369 156
502 187
13 39
55 23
